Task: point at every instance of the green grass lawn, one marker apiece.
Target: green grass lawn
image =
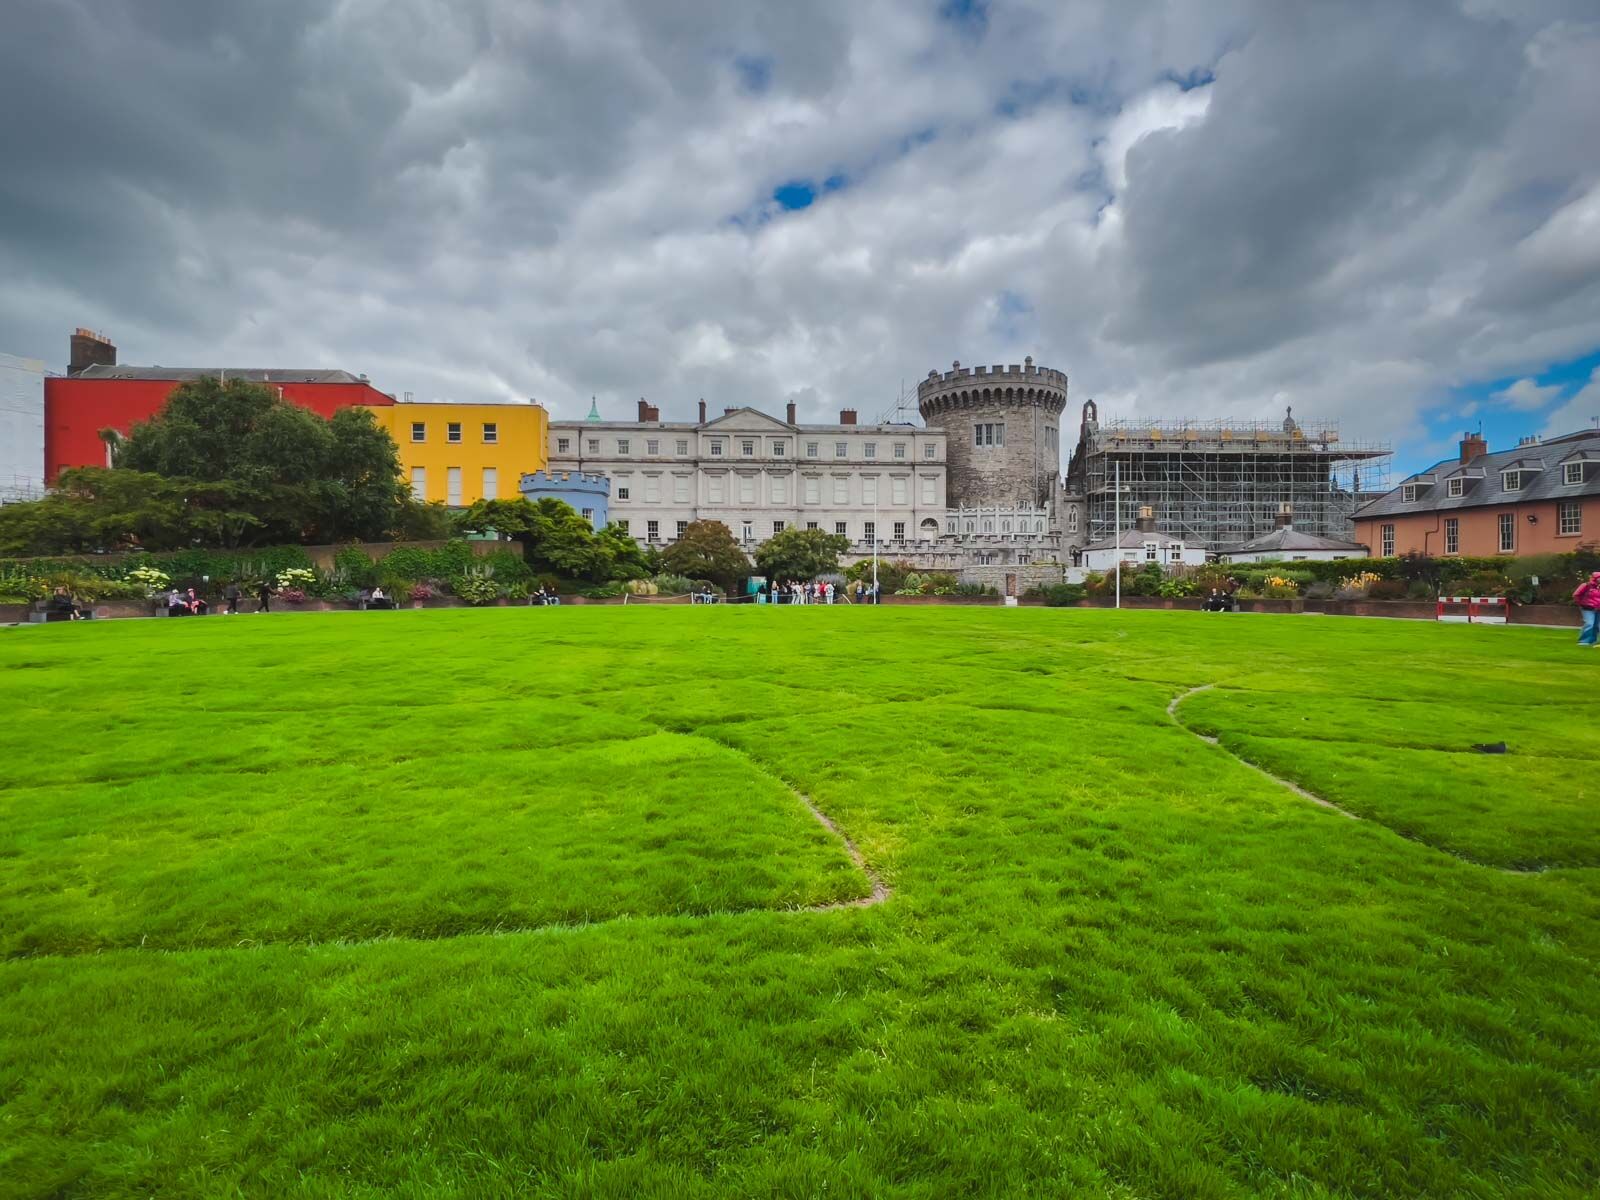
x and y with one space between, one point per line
528 902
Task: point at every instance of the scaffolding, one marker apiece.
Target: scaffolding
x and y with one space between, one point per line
1220 483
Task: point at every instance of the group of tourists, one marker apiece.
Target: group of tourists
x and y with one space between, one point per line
187 603
818 591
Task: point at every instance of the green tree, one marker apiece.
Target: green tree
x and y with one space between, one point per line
800 554
93 508
625 559
298 476
706 550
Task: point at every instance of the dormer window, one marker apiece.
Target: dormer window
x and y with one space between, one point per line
1408 491
1511 481
1456 487
1571 473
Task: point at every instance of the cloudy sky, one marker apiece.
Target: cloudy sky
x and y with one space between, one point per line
1384 213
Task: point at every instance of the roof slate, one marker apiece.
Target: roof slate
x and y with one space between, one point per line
1287 538
253 374
1487 490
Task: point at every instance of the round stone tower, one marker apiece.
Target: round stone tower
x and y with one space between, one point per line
1004 432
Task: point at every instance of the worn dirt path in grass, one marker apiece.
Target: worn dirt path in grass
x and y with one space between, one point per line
1322 801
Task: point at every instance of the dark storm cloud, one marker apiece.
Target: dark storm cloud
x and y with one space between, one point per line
1191 208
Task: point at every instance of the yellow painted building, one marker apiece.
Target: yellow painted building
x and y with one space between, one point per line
458 454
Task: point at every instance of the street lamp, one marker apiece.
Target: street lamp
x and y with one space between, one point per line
1116 541
875 542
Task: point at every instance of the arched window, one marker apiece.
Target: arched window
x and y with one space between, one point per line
1005 526
969 526
1039 527
950 525
988 526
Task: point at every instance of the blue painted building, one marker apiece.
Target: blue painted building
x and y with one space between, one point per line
589 495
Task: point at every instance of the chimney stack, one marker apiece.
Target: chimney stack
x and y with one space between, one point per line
89 349
1472 445
1147 519
792 420
847 416
702 412
648 412
1285 516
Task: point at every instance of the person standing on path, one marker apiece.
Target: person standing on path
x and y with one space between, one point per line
231 594
264 594
1587 598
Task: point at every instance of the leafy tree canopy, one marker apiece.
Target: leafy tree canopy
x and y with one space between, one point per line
800 554
94 508
706 550
301 478
557 540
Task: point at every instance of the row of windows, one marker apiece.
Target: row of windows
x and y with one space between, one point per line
717 490
869 529
452 432
452 484
1569 522
747 448
987 525
1510 481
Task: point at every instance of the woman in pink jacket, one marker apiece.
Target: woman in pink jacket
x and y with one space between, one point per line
1587 598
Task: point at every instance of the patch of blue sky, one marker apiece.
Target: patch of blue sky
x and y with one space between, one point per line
972 16
1195 77
754 72
1478 406
1011 317
802 193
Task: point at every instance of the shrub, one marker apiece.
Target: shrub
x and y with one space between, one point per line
674 585
1060 595
974 589
1319 589
1390 589
151 578
1356 587
354 568
1173 589
1486 583
296 579
475 589
1278 587
422 591
641 587
605 591
292 595
1420 589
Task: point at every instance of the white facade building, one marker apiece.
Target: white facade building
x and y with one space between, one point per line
21 428
1141 545
759 475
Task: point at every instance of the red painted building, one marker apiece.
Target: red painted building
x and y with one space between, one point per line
97 394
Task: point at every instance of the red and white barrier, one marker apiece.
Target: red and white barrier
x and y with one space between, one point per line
1473 610
1489 610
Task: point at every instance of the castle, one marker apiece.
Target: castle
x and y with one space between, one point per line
979 485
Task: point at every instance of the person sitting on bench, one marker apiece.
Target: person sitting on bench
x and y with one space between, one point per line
175 604
196 606
62 603
379 600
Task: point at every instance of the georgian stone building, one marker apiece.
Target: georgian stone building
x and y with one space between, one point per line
977 486
759 475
